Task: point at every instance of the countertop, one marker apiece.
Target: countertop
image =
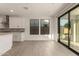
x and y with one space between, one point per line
12 29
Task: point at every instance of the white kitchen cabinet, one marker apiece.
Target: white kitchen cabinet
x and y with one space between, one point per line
16 22
18 36
6 42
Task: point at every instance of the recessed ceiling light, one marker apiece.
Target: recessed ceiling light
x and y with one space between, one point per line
11 10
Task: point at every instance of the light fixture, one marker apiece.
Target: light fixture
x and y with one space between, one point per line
11 10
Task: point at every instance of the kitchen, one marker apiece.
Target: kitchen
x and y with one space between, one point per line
8 34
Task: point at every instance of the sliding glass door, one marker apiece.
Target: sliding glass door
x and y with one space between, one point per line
74 19
69 29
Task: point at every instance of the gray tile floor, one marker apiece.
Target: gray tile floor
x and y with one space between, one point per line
38 48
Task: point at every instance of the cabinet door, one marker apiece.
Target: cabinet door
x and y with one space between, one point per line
16 36
16 22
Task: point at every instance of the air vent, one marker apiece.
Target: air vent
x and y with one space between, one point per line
26 8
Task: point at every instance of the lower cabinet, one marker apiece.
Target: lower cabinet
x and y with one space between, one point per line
18 36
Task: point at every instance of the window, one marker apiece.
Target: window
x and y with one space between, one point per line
34 26
44 26
36 29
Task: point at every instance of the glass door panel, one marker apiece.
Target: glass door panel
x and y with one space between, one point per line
74 37
64 29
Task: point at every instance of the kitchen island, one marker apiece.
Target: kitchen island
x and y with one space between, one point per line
7 36
12 30
18 33
5 42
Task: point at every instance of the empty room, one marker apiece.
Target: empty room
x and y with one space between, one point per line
39 29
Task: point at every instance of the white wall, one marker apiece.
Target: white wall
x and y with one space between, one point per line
55 28
24 22
37 37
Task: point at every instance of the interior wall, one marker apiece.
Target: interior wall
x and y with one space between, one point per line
24 22
38 37
55 28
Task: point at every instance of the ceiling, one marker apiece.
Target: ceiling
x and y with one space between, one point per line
75 12
31 9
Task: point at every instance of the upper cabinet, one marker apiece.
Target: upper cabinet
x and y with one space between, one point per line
16 22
